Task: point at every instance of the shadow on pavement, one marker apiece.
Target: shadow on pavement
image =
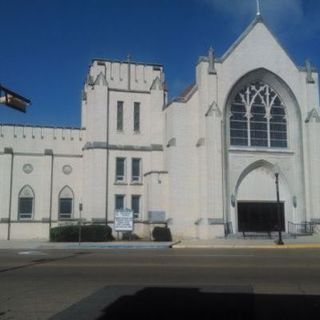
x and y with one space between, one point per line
184 303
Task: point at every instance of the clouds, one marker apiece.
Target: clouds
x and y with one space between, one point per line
278 13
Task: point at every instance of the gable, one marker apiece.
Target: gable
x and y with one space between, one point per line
257 45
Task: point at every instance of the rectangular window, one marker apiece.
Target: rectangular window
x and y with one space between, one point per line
120 169
136 170
120 115
65 208
119 201
136 117
135 205
25 208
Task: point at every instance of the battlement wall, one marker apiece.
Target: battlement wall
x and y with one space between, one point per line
126 75
35 139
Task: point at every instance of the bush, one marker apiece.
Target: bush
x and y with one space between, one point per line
161 234
129 236
89 233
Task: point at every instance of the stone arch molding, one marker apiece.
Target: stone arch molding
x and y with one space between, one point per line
268 77
259 164
66 192
26 192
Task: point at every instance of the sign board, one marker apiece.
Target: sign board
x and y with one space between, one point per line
155 216
123 220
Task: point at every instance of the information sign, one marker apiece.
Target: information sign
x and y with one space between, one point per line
123 220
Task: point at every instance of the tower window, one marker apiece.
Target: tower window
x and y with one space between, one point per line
120 115
120 169
136 117
135 205
119 202
136 170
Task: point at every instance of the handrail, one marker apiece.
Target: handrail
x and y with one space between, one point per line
304 228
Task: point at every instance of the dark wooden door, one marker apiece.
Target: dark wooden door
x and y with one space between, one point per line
260 216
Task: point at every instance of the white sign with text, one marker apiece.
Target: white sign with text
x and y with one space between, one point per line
123 220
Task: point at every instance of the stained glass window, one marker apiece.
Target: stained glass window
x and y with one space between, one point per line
258 118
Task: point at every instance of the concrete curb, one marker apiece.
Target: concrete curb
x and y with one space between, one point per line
236 246
118 246
83 246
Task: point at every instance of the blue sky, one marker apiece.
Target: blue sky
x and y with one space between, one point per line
47 45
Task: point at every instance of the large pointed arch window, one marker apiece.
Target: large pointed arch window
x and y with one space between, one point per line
65 203
25 203
258 118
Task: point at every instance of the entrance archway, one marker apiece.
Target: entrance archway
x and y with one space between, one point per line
255 199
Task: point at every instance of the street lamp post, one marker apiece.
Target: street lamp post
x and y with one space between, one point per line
13 99
279 241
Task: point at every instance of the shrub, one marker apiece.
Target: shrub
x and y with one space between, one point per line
161 234
89 233
127 236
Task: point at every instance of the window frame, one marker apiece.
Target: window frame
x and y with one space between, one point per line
70 195
60 214
20 214
135 178
249 128
136 215
123 201
136 116
118 178
21 218
120 108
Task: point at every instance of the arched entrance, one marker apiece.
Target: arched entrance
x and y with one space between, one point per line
256 207
262 132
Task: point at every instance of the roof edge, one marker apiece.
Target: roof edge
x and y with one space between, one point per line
183 99
257 19
126 62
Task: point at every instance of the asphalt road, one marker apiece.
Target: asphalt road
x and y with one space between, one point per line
160 284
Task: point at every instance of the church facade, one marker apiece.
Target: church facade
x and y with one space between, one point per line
205 163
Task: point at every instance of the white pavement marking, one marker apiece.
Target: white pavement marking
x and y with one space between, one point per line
33 253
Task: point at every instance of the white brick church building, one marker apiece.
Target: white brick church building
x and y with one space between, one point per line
204 163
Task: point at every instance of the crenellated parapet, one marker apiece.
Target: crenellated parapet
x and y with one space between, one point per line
124 75
20 137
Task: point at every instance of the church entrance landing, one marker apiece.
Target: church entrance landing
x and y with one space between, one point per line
260 216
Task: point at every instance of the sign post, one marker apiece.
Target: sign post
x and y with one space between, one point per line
123 221
80 217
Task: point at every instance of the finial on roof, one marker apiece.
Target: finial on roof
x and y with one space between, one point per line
211 57
129 57
309 72
258 8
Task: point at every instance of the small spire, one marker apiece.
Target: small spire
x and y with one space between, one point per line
258 8
129 57
309 72
211 57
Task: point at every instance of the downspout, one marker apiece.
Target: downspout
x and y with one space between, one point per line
100 63
49 152
10 151
107 160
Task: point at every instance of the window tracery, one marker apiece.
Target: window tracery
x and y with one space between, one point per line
258 118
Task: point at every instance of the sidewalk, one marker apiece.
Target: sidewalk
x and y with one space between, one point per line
45 245
312 242
291 243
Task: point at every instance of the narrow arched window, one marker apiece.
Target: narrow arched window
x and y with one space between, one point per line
258 118
25 203
278 125
65 203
